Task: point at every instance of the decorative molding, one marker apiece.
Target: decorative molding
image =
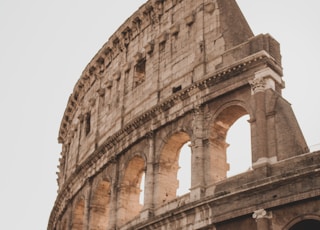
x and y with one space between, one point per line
265 79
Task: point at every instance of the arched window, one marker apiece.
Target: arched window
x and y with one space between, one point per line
184 172
129 194
100 206
239 149
167 182
222 124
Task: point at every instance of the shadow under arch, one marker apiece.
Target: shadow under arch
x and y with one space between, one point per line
310 222
222 121
129 192
167 182
100 206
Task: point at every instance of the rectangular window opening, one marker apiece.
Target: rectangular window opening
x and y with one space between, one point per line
87 123
140 72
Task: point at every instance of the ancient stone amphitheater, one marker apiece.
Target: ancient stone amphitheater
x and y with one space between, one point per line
176 72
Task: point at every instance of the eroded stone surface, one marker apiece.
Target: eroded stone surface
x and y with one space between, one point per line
177 72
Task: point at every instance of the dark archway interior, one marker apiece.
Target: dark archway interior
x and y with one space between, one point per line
306 225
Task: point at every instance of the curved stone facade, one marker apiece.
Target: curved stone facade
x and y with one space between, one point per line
180 72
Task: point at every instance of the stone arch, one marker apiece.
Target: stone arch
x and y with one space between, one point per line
78 214
310 222
222 120
99 207
168 166
129 190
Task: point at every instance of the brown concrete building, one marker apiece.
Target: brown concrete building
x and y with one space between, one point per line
180 72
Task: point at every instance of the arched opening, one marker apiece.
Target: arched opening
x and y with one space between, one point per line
184 172
99 206
239 150
78 215
130 192
167 182
218 143
306 224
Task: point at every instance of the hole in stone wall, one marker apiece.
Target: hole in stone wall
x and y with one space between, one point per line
184 172
176 89
239 150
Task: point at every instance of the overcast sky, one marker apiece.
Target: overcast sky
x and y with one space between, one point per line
44 47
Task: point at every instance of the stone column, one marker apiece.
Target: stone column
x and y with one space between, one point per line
149 181
114 194
262 218
88 204
197 158
263 80
258 90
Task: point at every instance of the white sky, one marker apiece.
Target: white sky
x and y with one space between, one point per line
44 47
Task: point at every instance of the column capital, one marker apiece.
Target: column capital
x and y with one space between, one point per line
261 214
265 79
257 85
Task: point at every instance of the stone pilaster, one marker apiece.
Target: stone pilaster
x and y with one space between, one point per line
114 196
197 176
88 204
149 181
263 80
262 218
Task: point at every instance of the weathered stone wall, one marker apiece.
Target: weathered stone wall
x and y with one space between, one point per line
163 47
178 72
